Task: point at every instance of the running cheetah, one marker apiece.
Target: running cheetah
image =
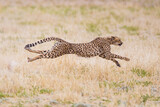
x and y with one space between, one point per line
97 47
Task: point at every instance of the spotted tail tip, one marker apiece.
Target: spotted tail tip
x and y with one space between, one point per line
27 47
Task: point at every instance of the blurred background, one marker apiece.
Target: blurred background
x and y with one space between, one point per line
71 80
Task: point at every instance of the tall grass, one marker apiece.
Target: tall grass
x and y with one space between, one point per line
70 79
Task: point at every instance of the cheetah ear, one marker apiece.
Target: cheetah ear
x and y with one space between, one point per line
112 37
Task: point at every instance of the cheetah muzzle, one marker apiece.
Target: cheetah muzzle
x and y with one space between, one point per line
100 46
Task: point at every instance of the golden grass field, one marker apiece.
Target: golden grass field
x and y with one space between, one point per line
70 80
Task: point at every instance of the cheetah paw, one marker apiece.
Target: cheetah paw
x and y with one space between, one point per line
29 59
118 65
127 59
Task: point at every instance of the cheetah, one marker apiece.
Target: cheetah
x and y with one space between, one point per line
100 46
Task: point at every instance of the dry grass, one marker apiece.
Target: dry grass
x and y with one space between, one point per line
70 79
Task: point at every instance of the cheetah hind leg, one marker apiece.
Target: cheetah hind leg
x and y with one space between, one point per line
35 58
34 51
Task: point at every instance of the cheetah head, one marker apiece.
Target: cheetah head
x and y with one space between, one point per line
116 41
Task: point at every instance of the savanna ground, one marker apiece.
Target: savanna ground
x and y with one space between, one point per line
69 79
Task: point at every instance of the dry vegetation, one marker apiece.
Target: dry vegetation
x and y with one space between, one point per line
70 79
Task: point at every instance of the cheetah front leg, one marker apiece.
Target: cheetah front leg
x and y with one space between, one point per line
116 62
119 57
108 57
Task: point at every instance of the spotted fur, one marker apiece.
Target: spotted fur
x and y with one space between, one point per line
97 47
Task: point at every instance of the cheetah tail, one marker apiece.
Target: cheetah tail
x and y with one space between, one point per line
42 41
